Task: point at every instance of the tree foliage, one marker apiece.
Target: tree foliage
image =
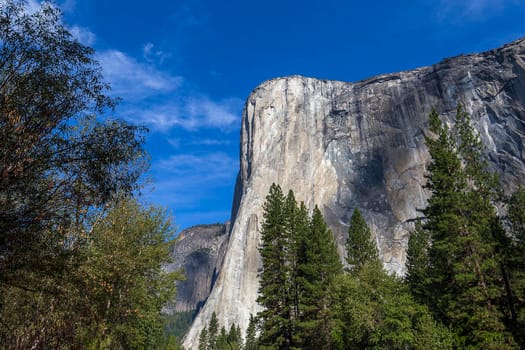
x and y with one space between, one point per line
514 264
376 311
360 248
252 341
454 260
124 272
114 295
211 338
57 162
80 262
318 266
275 276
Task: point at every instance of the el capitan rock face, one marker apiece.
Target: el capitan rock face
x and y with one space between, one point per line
346 145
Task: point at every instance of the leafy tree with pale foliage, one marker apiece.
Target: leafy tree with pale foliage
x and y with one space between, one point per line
59 167
125 276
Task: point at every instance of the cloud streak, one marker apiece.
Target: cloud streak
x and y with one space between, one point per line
132 79
185 181
83 35
191 113
156 98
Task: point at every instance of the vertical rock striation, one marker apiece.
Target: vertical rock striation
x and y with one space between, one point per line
346 145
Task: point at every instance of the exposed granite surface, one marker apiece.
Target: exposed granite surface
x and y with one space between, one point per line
199 253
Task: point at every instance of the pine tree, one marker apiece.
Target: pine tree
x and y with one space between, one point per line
297 226
234 337
515 265
464 278
213 332
275 275
203 339
318 265
417 263
221 343
374 310
251 334
359 246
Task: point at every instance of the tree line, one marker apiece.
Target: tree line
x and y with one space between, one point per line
80 259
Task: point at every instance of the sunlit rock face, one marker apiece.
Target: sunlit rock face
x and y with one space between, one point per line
345 145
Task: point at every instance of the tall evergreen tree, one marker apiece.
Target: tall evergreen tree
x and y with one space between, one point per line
203 339
417 263
234 338
318 265
297 226
375 310
275 275
360 248
463 281
514 264
251 342
213 332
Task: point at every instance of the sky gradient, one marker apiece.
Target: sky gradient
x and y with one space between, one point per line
184 68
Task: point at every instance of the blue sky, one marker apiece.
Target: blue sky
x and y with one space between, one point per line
184 68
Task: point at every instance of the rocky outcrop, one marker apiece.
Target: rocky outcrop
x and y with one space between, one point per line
198 253
346 145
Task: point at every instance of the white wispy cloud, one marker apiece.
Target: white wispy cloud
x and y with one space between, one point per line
190 113
152 96
178 142
210 142
186 180
153 55
132 79
222 114
83 35
215 165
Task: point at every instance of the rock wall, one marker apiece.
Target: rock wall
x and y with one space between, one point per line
346 145
199 253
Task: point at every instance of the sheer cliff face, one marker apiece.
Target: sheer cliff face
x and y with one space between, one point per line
347 145
199 253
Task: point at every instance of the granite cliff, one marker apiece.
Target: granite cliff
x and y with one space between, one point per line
198 253
346 145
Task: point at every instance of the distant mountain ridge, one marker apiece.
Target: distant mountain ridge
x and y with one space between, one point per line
345 145
198 253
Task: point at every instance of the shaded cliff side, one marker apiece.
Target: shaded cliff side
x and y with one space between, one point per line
346 145
198 253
